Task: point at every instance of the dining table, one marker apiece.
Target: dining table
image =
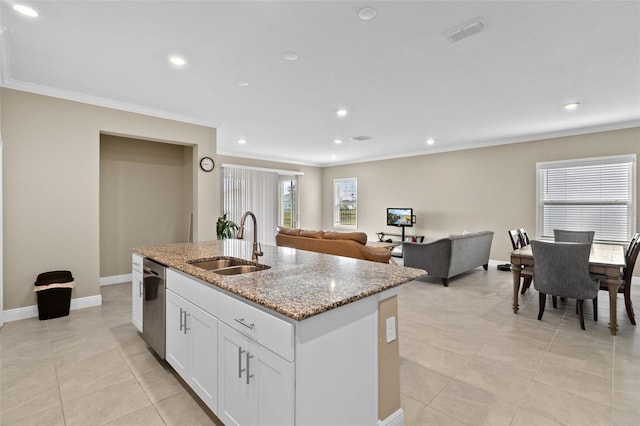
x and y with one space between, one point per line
607 260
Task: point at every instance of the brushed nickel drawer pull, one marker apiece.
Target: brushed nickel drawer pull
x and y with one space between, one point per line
241 321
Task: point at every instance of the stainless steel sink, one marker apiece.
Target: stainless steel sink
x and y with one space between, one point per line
240 269
228 265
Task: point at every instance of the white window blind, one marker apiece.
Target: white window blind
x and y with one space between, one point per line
252 190
595 194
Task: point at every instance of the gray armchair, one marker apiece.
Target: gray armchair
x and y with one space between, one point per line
564 236
562 269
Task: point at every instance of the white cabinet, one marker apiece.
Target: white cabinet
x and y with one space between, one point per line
137 292
192 338
256 386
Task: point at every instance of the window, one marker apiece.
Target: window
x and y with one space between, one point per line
345 203
594 194
288 201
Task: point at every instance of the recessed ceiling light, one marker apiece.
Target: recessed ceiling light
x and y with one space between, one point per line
242 83
242 141
290 56
337 141
430 141
25 10
571 106
367 13
341 112
177 60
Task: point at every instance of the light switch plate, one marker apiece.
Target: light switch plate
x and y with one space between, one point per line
391 329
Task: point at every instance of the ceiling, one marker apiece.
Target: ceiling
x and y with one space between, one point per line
400 80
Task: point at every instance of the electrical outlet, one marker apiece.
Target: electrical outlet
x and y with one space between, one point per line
391 329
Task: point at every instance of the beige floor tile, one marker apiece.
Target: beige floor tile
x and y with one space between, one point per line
76 323
584 384
626 374
429 416
623 418
505 381
32 349
420 383
142 363
411 408
84 344
106 405
518 354
565 407
435 358
51 416
92 374
593 360
471 405
526 417
181 409
147 416
160 385
627 401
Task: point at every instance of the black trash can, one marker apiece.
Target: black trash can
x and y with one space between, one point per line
53 290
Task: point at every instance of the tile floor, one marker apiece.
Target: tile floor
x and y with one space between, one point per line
465 360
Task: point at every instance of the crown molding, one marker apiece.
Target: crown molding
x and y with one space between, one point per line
102 102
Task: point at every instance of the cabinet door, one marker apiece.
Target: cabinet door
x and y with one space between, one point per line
176 337
237 404
275 388
136 291
202 333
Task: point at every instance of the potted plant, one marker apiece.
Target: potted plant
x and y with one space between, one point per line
225 228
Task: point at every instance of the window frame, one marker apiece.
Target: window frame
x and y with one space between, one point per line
295 206
630 203
337 220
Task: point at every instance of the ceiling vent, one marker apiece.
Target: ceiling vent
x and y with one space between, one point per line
464 31
361 138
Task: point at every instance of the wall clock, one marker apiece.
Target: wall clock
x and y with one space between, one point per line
207 164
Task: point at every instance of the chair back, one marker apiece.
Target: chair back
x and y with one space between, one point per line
562 269
564 236
631 257
634 239
524 237
514 235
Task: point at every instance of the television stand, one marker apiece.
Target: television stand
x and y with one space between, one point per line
397 251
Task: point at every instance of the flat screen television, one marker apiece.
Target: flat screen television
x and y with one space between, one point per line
400 217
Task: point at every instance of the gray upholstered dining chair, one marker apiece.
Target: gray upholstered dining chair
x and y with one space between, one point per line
564 236
562 269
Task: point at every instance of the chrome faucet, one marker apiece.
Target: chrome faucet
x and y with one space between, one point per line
257 249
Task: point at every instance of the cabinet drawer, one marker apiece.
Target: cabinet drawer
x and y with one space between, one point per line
196 292
271 332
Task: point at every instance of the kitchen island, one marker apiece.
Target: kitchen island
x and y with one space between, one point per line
310 340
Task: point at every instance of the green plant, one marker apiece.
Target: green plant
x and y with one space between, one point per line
225 228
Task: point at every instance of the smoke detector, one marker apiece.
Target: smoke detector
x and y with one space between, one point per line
465 30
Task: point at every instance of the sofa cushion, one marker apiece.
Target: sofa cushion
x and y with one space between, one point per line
311 234
288 231
359 237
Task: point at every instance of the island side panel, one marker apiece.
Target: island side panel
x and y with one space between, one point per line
337 365
388 360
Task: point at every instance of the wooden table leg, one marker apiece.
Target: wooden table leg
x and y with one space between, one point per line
613 282
516 269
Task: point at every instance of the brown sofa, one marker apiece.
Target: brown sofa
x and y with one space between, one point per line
348 244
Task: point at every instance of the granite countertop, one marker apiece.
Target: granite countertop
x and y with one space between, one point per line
299 284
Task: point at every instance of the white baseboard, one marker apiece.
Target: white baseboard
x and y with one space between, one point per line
395 419
32 311
115 279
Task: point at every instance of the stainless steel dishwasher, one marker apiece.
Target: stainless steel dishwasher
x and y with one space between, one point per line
153 306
